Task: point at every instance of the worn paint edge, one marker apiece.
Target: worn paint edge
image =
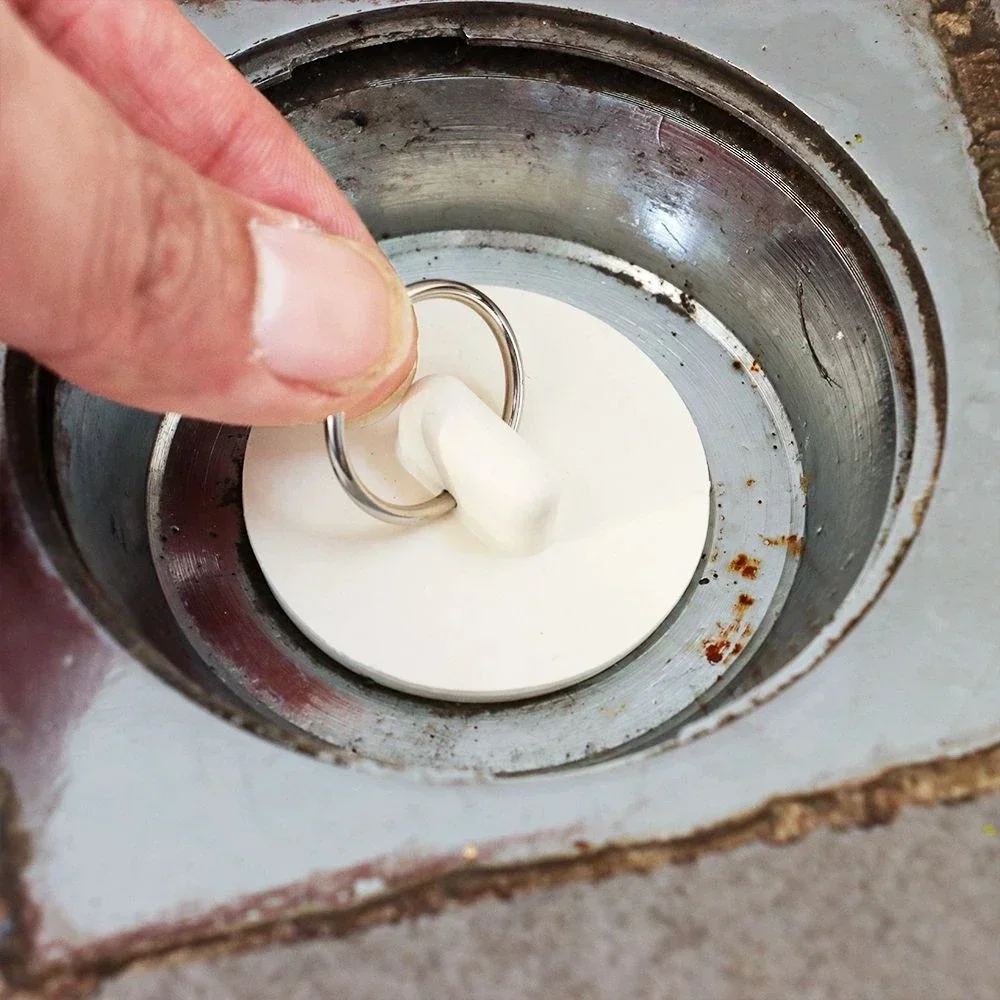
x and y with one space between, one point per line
872 802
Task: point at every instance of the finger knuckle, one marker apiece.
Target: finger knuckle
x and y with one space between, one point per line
170 243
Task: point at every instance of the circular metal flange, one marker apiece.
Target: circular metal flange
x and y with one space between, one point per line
335 424
736 298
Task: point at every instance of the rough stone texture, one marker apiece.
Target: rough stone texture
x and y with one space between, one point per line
969 35
907 911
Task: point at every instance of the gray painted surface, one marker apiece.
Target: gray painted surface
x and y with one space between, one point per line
905 912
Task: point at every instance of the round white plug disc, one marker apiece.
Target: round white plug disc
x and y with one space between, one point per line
432 610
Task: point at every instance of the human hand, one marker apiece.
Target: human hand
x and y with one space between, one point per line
154 242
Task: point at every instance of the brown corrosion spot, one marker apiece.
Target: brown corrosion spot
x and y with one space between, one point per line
745 566
755 365
721 647
751 482
738 366
794 543
804 482
715 651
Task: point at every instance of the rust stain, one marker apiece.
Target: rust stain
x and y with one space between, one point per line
967 31
722 646
794 543
804 482
746 566
715 650
751 482
755 365
738 366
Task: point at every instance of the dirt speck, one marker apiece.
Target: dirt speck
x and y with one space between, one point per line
351 115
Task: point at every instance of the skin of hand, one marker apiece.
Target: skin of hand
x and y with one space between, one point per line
167 241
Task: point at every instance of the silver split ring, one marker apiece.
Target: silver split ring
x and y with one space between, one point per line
513 370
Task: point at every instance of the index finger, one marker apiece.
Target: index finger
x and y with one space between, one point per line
172 86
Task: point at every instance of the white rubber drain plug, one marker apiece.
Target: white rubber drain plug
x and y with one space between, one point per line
434 611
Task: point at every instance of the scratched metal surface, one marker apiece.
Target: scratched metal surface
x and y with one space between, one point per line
516 146
148 815
744 578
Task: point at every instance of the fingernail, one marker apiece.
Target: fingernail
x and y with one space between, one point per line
329 312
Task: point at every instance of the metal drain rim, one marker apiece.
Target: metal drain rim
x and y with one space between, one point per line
529 725
897 538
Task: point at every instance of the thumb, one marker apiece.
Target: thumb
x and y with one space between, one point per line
130 274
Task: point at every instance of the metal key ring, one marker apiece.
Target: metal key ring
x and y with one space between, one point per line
513 369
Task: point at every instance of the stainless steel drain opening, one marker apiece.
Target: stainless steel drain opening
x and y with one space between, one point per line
622 173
